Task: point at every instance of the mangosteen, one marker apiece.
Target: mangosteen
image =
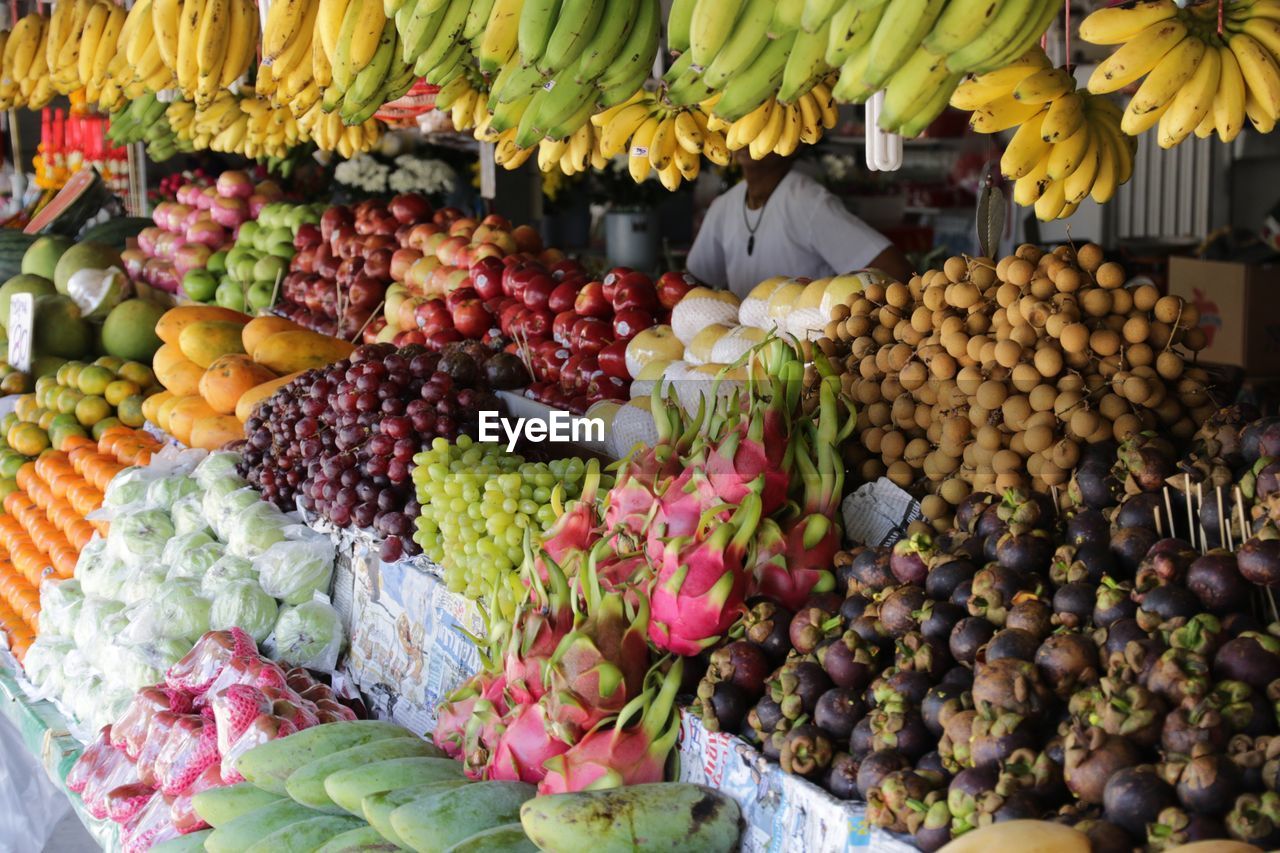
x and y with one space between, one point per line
1259 557
990 526
1094 486
504 371
1009 684
945 577
842 777
930 825
1141 510
1168 561
1239 622
796 687
1012 643
1187 729
1135 796
1120 633
871 569
848 660
1209 784
931 762
810 626
1131 711
967 790
1255 819
827 600
1260 438
1167 607
1216 515
876 766
1105 836
461 368
969 635
1179 676
1029 552
842 562
1088 527
890 804
1073 604
953 746
767 625
871 631
1091 757
853 607
899 726
1112 603
898 609
1174 827
806 751
1067 660
958 677
994 589
1243 708
938 619
764 718
969 510
1202 634
996 735
1035 772
861 740
1147 461
1019 805
1032 614
909 560
1252 657
723 708
742 663
838 711
1215 579
1129 546
910 684
1249 755
962 593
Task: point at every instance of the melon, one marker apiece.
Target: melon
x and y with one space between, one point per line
33 284
130 330
781 303
841 291
59 329
42 257
84 256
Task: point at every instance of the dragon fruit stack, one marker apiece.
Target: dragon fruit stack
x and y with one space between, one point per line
739 499
182 737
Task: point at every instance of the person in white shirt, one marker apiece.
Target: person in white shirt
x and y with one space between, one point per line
779 222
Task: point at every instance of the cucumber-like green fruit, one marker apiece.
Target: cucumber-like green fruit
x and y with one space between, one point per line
269 765
223 805
306 784
508 838
437 823
659 816
377 808
192 842
248 829
366 839
305 836
348 787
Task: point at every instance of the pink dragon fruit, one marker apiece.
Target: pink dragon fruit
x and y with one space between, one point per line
701 588
600 666
789 560
459 706
575 530
545 616
481 736
752 455
688 505
645 474
528 742
611 757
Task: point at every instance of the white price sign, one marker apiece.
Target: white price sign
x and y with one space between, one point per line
22 313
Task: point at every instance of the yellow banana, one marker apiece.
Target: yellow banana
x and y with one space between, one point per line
1051 201
1193 101
1044 85
1137 56
638 158
1066 156
1076 186
1119 24
1002 114
1260 72
1162 84
1026 149
1228 101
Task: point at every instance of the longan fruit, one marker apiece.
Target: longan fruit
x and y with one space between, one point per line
1095 302
1056 323
1110 275
988 437
1048 361
1006 461
879 413
982 273
1038 438
1145 297
888 316
916 451
1089 256
1040 419
871 469
1007 294
942 366
1041 398
946 463
1024 336
904 412
956 344
890 388
1168 309
872 438
1020 271
956 268
1024 377
991 394
1029 252
1065 454
968 380
1191 392
934 298
1136 329
1077 360
892 445
963 294
1136 390
866 392
977 323
1121 301
1053 474
978 416
1112 406
932 506
1075 338
923 416
901 474
1070 382
1126 426
1169 365
1140 354
899 355
1017 443
987 355
1102 433
1183 429
1042 287
1008 353
1104 342
953 490
1190 316
1160 332
973 347
1083 423
1015 410
1068 279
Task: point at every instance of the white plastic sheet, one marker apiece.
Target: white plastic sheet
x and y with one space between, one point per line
30 804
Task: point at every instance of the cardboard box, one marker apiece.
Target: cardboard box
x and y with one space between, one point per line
1239 307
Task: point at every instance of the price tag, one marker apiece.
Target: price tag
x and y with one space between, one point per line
22 314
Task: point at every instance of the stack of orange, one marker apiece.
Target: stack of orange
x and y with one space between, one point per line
44 526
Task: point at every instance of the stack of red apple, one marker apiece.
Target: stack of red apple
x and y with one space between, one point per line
340 272
204 220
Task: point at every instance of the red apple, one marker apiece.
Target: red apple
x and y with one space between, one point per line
402 234
371 331
456 278
432 314
365 292
634 291
402 260
563 269
332 218
611 279
419 273
377 263
538 323
527 238
448 250
434 242
348 268
613 360
409 207
507 318
379 241
672 286
486 277
590 335
630 322
308 235
345 241
591 301
462 227
537 292
471 319
495 220
385 225
563 297
419 233
459 295
550 256
562 328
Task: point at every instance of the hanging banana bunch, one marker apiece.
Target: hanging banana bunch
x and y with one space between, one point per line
25 80
206 45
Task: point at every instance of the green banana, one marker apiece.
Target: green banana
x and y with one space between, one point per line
899 33
850 88
369 80
524 81
527 133
851 30
562 101
446 37
639 49
678 68
749 37
450 65
575 26
418 26
998 34
806 64
960 23
931 108
609 39
712 24
910 86
566 128
1034 27
750 89
678 21
537 18
477 17
786 17
817 13
507 116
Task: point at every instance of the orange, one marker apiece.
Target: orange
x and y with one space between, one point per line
79 533
14 501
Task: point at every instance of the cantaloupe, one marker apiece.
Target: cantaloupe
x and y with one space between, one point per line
177 319
259 329
183 416
250 399
206 341
289 352
213 432
228 378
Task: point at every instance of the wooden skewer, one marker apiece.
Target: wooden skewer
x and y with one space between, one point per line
1244 523
1204 538
1224 529
1191 522
1168 508
1053 490
1155 511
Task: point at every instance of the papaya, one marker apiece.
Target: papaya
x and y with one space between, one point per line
259 329
166 357
213 432
151 405
250 399
287 352
165 409
205 341
180 375
173 321
184 414
228 378
1031 836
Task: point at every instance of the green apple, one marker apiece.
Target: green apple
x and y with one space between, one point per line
230 295
237 252
260 293
243 269
282 249
200 284
269 267
217 262
247 231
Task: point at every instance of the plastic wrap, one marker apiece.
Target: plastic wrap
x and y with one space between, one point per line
234 709
182 812
149 827
138 536
158 729
59 606
207 658
43 663
244 603
263 728
222 510
226 568
255 528
309 635
94 612
125 801
127 488
251 669
296 569
144 583
162 493
133 670
217 466
94 754
176 558
129 732
188 516
105 577
191 747
112 769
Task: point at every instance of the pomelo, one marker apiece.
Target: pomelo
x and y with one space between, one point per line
130 330
41 258
59 328
84 256
32 284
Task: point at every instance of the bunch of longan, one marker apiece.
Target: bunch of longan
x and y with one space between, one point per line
986 376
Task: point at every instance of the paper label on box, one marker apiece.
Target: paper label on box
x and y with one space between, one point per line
22 315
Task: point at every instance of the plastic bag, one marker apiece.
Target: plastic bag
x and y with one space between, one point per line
112 770
125 801
182 812
144 584
255 529
43 663
94 754
223 511
138 536
162 493
176 552
226 568
33 805
309 635
133 670
163 653
192 746
253 670
183 613
59 606
127 488
243 602
296 569
129 732
157 733
198 669
84 698
196 562
263 728
88 630
151 826
188 516
217 466
234 710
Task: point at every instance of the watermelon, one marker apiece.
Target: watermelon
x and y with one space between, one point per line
116 232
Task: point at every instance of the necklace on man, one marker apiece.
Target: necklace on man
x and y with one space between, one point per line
751 229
